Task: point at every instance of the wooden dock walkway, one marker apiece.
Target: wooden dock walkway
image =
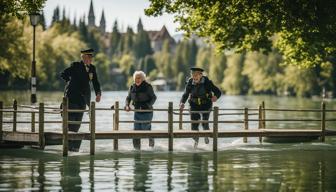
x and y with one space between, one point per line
41 138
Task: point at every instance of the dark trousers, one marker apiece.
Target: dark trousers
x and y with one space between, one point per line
197 116
74 145
142 116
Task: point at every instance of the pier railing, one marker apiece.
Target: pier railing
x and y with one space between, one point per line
42 138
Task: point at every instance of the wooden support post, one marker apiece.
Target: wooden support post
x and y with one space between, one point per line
215 129
33 122
245 122
1 119
92 128
263 115
116 123
260 121
180 119
323 107
65 126
14 114
41 126
170 126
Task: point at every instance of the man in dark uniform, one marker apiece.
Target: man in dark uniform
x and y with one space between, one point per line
201 93
78 77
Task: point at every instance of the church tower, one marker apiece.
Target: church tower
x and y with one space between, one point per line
102 25
91 17
140 26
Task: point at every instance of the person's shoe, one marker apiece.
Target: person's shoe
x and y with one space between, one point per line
206 140
196 142
151 142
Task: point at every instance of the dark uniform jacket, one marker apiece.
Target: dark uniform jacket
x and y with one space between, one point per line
143 96
78 80
200 94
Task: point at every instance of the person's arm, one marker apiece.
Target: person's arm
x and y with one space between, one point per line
217 92
67 73
95 82
128 98
151 95
186 93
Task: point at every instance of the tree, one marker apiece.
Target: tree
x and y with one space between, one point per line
115 39
21 8
234 82
263 72
302 30
142 45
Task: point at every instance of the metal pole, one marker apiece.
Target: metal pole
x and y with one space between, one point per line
33 98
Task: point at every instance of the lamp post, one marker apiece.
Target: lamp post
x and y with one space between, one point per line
34 19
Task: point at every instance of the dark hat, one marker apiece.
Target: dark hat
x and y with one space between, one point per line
196 69
87 51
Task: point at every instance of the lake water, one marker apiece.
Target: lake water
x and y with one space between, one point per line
237 166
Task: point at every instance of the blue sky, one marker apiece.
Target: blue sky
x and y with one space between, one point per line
127 13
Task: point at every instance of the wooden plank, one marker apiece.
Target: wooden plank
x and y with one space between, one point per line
65 126
246 124
1 119
92 128
215 129
14 114
22 137
116 124
41 126
170 126
323 121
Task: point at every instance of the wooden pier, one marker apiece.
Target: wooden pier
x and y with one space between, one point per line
42 138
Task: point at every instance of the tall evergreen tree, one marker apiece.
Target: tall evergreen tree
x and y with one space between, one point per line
115 39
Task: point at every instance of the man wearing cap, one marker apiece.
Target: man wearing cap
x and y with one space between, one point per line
78 77
201 93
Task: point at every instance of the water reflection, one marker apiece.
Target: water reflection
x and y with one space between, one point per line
289 170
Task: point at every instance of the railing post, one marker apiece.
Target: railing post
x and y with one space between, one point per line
170 126
33 122
323 121
215 129
245 122
263 115
92 128
116 123
41 126
1 119
180 119
260 122
65 126
14 114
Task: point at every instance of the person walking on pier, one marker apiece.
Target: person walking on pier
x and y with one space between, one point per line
78 77
201 93
142 96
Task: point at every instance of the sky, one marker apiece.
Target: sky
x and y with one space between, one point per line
126 12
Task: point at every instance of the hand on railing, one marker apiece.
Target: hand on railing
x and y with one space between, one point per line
181 106
213 98
98 97
127 108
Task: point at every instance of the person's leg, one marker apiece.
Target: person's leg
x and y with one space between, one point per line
205 116
137 126
74 145
148 126
194 126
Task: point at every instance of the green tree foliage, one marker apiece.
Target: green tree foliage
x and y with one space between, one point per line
20 8
217 67
142 46
263 72
115 39
304 29
234 82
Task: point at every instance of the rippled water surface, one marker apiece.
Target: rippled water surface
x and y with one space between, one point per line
237 166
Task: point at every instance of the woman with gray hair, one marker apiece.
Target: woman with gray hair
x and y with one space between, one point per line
142 96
